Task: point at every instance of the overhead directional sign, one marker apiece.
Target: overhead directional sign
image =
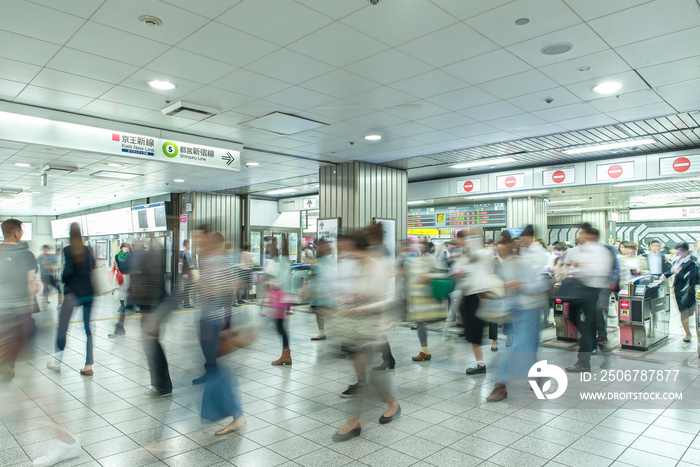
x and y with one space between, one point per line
35 130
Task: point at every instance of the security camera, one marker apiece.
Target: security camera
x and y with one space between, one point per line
549 100
373 2
352 142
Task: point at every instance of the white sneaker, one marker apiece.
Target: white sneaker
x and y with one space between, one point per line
53 366
60 452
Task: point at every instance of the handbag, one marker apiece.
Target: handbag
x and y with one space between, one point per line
118 277
572 290
235 338
494 310
442 287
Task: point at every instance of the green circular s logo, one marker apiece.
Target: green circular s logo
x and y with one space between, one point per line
170 149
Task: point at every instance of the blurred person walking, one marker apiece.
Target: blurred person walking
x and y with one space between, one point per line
221 396
148 293
17 289
473 263
423 308
526 282
358 322
322 286
187 283
122 262
48 269
17 271
590 266
685 277
611 286
78 263
658 265
278 279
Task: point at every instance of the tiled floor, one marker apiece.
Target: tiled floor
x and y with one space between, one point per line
292 412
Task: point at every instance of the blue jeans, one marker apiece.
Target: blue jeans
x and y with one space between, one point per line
523 353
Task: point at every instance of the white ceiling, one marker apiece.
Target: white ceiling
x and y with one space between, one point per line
432 77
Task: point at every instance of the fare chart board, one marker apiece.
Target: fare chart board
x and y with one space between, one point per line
481 214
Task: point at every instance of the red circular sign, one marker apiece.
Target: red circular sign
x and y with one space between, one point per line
468 185
681 164
510 182
559 176
615 171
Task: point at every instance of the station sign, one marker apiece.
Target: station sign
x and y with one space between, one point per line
36 130
302 203
679 165
470 186
615 171
559 175
515 181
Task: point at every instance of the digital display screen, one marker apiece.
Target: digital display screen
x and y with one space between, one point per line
149 218
483 214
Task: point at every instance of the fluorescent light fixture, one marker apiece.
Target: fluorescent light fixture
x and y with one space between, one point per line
508 195
114 164
178 180
483 162
656 182
161 84
281 191
598 208
417 202
252 164
608 87
22 164
568 201
606 147
373 137
119 175
58 169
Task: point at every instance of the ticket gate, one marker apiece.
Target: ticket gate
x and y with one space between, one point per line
644 312
565 327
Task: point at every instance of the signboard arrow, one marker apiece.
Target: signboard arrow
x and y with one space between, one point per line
228 157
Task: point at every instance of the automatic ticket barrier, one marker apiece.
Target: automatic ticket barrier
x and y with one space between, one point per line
644 312
565 326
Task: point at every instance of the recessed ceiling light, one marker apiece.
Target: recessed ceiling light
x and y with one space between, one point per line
373 137
557 49
178 180
35 192
608 87
114 164
281 191
149 20
161 84
605 147
252 164
120 175
22 164
522 21
481 163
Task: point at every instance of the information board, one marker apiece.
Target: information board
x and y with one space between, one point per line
482 214
60 228
116 221
149 218
26 232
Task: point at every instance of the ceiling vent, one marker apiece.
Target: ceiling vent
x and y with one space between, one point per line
190 110
58 169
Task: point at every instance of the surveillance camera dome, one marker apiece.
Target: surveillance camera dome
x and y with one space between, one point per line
373 2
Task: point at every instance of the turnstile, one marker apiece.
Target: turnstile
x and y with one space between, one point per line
565 326
644 312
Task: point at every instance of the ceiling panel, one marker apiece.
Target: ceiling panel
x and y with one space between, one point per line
37 21
26 49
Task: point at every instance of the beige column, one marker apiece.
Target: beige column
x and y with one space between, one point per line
357 192
521 212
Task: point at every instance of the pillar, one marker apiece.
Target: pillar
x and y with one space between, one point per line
357 192
599 220
521 212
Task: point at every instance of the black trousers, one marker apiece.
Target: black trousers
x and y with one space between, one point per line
583 311
151 322
281 329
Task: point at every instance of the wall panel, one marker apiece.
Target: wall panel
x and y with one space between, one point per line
222 213
363 191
